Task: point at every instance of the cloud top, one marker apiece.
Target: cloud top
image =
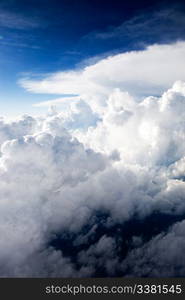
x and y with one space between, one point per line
146 72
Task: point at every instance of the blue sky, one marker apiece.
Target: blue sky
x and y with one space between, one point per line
43 36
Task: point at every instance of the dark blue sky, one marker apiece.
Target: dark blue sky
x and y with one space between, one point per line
42 36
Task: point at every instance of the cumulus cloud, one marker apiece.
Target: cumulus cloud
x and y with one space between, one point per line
87 193
16 128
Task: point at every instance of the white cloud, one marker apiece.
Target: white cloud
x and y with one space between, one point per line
68 174
150 132
56 101
52 183
141 73
16 128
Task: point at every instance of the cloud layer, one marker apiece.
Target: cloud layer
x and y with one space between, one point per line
74 198
141 73
97 192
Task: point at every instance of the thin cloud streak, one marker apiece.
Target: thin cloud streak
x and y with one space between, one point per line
13 20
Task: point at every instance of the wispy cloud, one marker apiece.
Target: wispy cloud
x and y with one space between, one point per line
19 45
17 21
56 101
161 25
